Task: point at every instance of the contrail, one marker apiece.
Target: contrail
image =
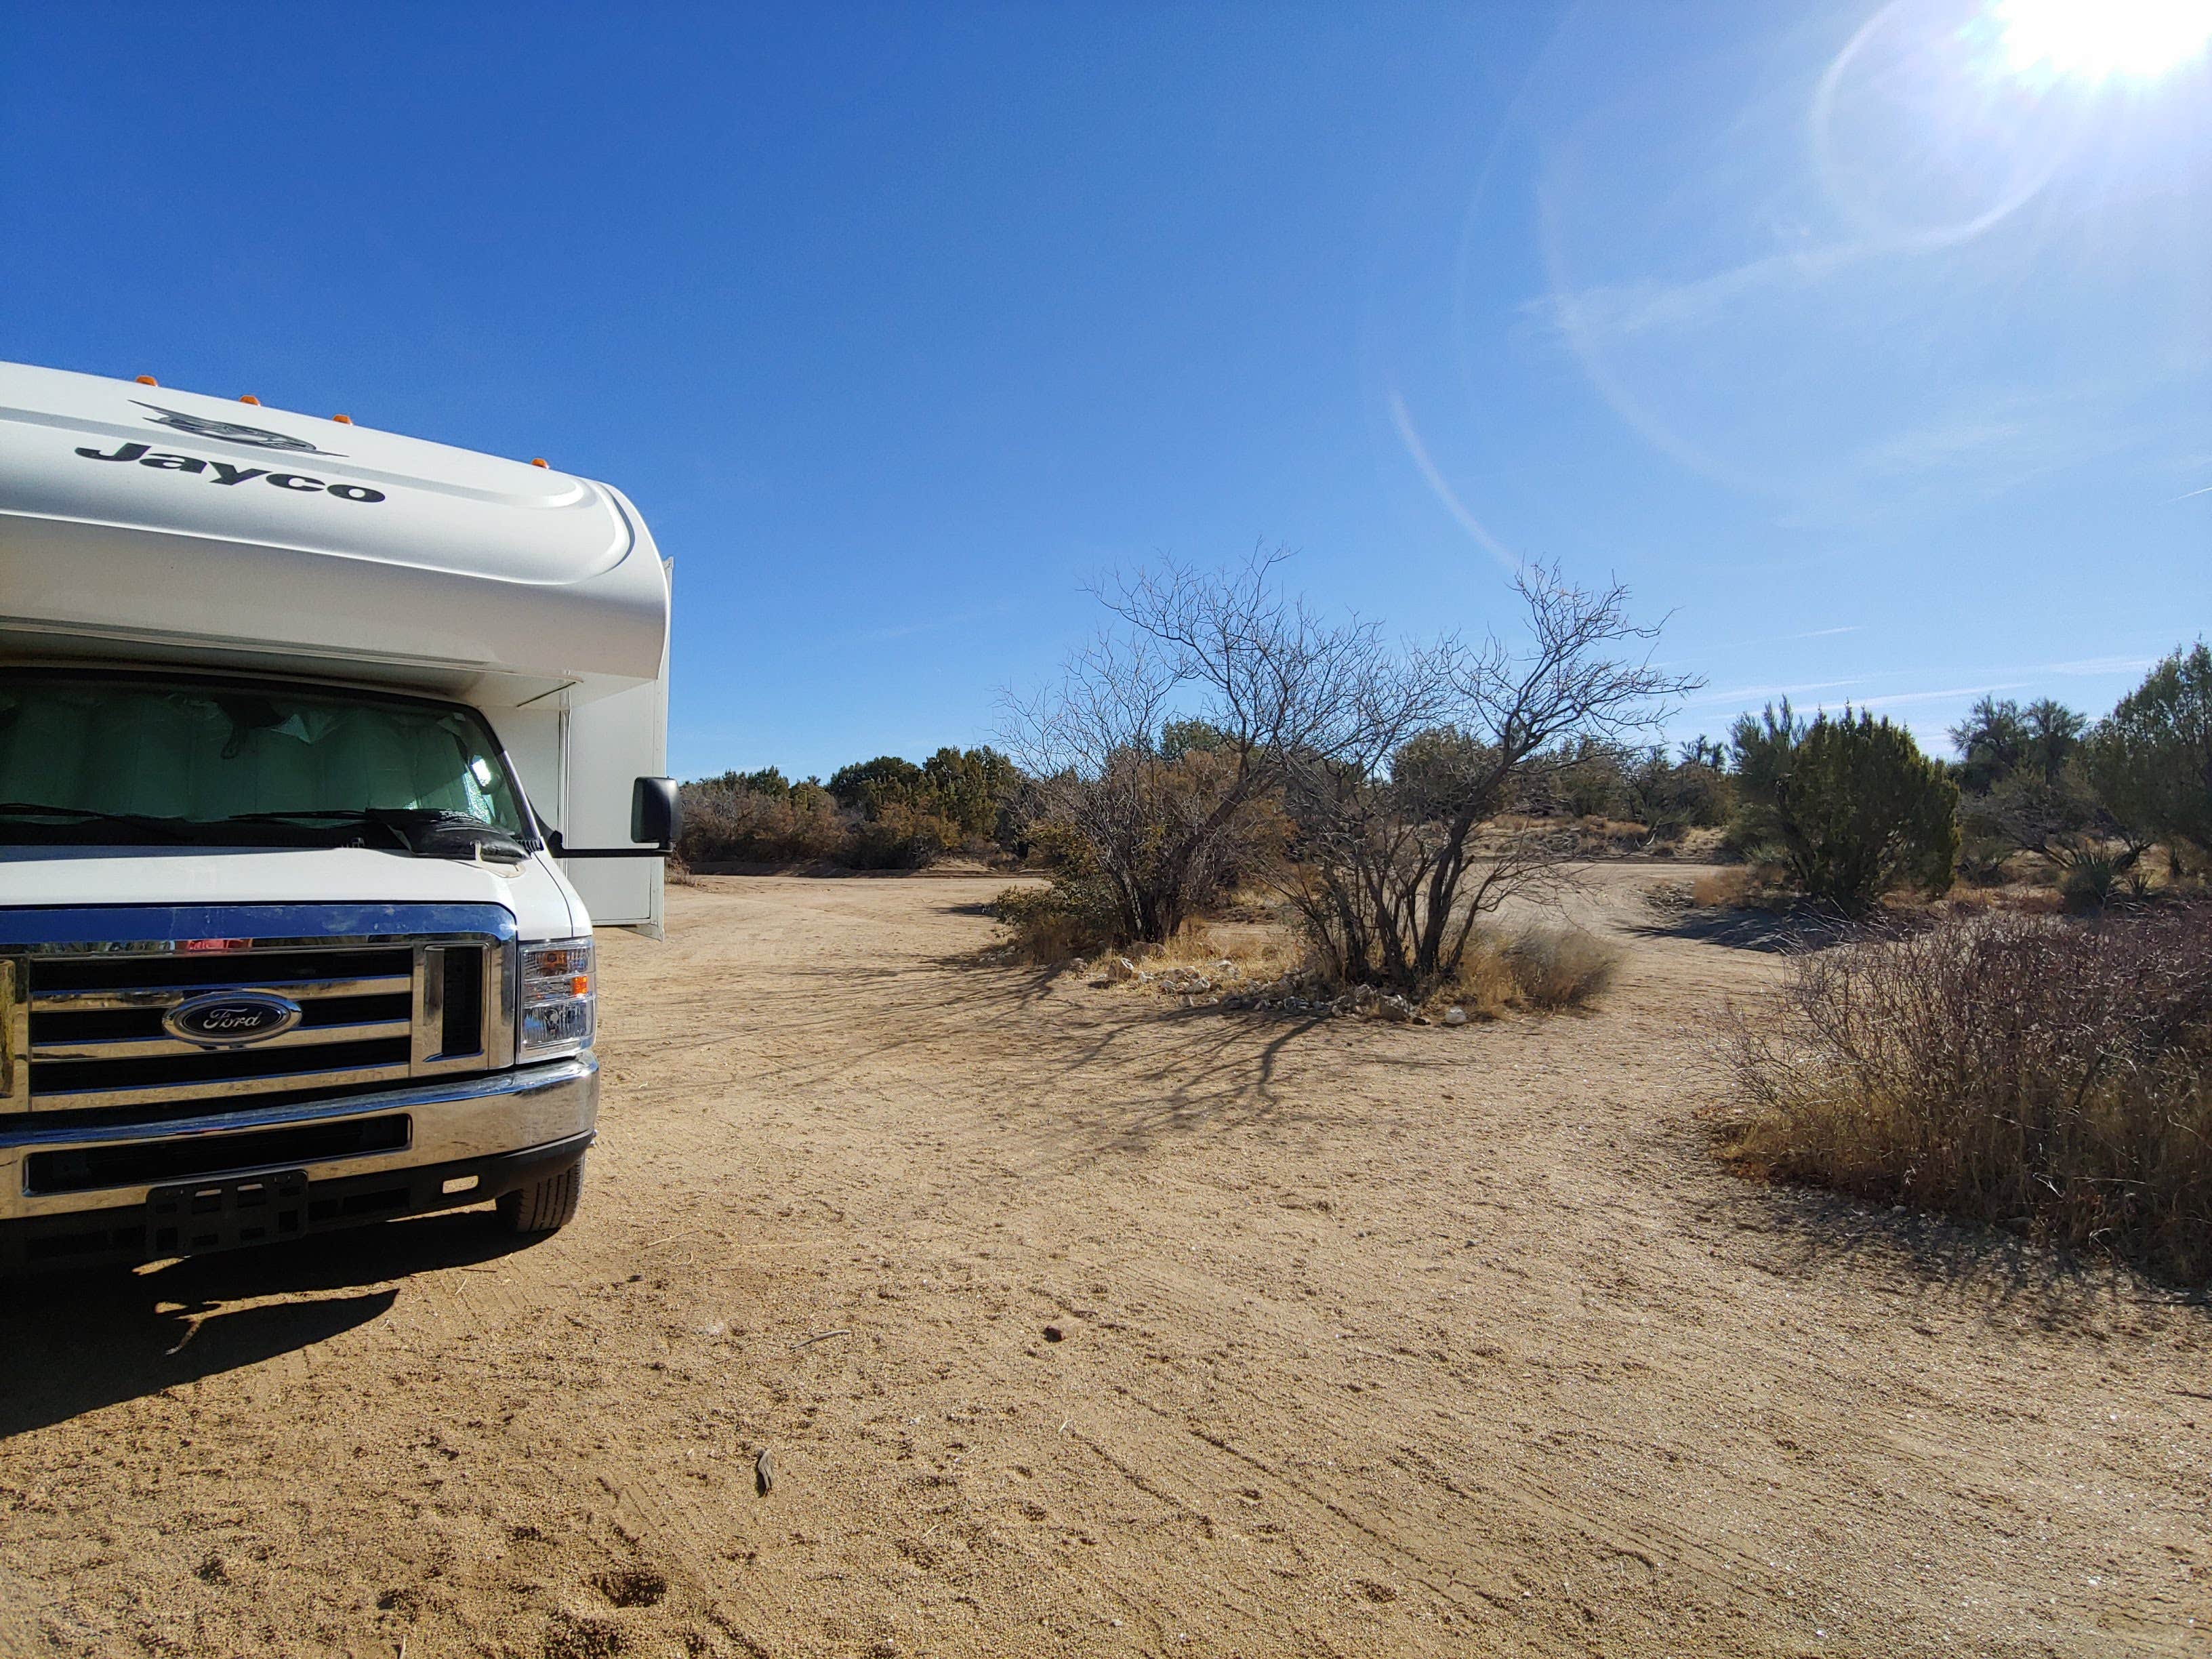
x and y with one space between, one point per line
1467 522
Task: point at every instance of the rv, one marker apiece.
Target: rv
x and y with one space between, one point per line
323 751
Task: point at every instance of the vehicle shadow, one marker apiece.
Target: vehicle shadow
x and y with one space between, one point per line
76 1342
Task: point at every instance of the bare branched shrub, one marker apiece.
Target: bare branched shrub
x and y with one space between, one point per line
1402 846
1222 718
2050 1075
1166 828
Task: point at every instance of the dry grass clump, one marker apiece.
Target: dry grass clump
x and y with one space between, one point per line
1255 952
2051 1076
1560 967
1547 967
1486 985
1720 889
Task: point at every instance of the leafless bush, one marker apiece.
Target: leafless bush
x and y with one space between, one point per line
1387 768
2050 1075
1401 847
1164 831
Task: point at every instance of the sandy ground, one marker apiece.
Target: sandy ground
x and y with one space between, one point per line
1373 1340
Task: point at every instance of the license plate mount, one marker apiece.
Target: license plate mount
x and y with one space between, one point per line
194 1217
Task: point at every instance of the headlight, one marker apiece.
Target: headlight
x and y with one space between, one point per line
557 999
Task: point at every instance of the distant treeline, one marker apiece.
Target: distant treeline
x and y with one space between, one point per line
1847 805
883 814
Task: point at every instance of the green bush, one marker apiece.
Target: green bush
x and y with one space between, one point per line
2097 880
911 814
1074 916
1672 797
1594 783
1999 740
2151 760
1850 804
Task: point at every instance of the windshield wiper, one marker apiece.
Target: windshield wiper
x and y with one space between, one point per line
144 822
423 831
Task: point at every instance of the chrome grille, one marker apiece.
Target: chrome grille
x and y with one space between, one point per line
373 1011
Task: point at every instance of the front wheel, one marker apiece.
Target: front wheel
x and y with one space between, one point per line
544 1205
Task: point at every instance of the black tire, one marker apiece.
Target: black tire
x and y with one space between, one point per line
545 1204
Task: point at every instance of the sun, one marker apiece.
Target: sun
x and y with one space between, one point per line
2095 38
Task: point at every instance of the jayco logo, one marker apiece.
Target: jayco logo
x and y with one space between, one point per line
223 472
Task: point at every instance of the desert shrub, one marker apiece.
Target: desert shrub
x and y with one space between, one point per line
901 838
868 786
2052 1075
1673 797
2151 760
1593 782
1071 918
1555 967
2056 819
1164 841
728 819
2098 879
1982 856
1850 805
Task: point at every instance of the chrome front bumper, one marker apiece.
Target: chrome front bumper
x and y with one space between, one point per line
483 1115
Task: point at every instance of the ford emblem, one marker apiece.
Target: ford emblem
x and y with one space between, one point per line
231 1019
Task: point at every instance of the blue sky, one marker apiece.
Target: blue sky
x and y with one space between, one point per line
1873 345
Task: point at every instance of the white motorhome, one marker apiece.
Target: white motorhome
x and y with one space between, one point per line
322 751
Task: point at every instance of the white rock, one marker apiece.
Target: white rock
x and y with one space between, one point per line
1455 1016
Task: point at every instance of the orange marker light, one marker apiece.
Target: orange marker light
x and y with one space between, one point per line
248 397
582 984
343 420
538 460
147 379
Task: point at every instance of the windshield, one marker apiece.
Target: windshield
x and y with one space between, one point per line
129 760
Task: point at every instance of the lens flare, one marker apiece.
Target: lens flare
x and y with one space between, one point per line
2095 38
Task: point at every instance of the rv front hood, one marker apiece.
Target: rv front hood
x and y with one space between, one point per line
77 876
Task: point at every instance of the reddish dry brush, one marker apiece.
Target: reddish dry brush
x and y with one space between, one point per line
2050 1075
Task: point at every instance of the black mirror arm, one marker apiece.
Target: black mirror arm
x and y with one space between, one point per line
656 818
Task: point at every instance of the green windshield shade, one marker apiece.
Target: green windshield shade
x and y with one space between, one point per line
205 752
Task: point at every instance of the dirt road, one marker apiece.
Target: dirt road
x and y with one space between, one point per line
1370 1340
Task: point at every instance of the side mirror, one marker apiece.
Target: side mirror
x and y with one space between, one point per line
656 812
